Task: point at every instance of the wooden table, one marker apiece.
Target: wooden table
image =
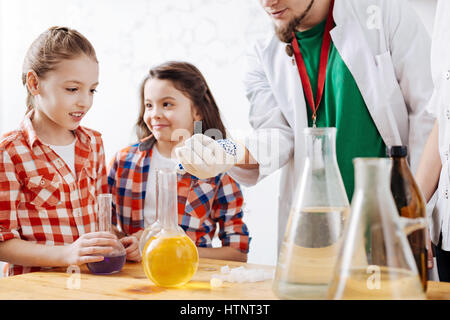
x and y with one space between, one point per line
131 283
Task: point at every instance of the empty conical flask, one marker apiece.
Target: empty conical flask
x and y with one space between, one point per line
375 261
316 223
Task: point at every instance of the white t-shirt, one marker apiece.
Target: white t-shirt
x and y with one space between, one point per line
439 106
157 161
67 153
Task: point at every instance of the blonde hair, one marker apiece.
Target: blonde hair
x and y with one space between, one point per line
49 49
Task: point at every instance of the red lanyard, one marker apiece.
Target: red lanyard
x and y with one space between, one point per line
322 67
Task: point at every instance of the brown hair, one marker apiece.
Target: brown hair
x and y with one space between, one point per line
52 46
186 78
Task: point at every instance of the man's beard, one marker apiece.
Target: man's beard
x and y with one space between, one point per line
285 33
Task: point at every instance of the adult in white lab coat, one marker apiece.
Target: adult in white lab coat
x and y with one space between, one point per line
386 49
433 172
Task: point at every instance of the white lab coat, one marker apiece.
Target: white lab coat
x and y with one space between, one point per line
440 107
386 48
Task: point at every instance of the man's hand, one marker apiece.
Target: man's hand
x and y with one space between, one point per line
204 157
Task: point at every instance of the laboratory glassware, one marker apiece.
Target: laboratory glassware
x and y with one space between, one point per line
170 257
316 223
114 261
375 260
410 204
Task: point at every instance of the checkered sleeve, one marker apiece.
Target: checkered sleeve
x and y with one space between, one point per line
9 195
228 212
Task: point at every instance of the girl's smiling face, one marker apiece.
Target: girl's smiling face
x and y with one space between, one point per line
64 95
169 114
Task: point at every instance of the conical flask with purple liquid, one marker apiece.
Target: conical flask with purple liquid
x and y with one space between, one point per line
114 261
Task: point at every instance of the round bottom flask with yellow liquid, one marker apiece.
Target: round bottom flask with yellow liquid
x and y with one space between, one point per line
169 258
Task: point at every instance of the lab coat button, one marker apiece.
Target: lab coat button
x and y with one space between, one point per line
447 75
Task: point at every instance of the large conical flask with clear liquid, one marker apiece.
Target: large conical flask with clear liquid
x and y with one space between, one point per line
316 223
170 257
376 261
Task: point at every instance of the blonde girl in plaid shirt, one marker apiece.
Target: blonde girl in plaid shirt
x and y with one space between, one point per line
174 96
47 215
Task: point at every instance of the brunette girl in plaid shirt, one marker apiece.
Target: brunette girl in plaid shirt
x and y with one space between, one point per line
51 168
174 96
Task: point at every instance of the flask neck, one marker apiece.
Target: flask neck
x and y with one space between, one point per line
373 174
167 203
400 166
321 146
104 212
407 195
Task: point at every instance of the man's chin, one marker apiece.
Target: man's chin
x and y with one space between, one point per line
284 31
280 25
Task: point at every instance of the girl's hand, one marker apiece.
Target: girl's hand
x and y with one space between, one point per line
131 245
89 247
138 234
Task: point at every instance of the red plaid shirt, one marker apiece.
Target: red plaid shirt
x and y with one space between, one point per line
40 199
202 204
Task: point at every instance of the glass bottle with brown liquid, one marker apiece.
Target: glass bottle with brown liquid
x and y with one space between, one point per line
410 204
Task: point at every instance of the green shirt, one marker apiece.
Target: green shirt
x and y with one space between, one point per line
342 106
